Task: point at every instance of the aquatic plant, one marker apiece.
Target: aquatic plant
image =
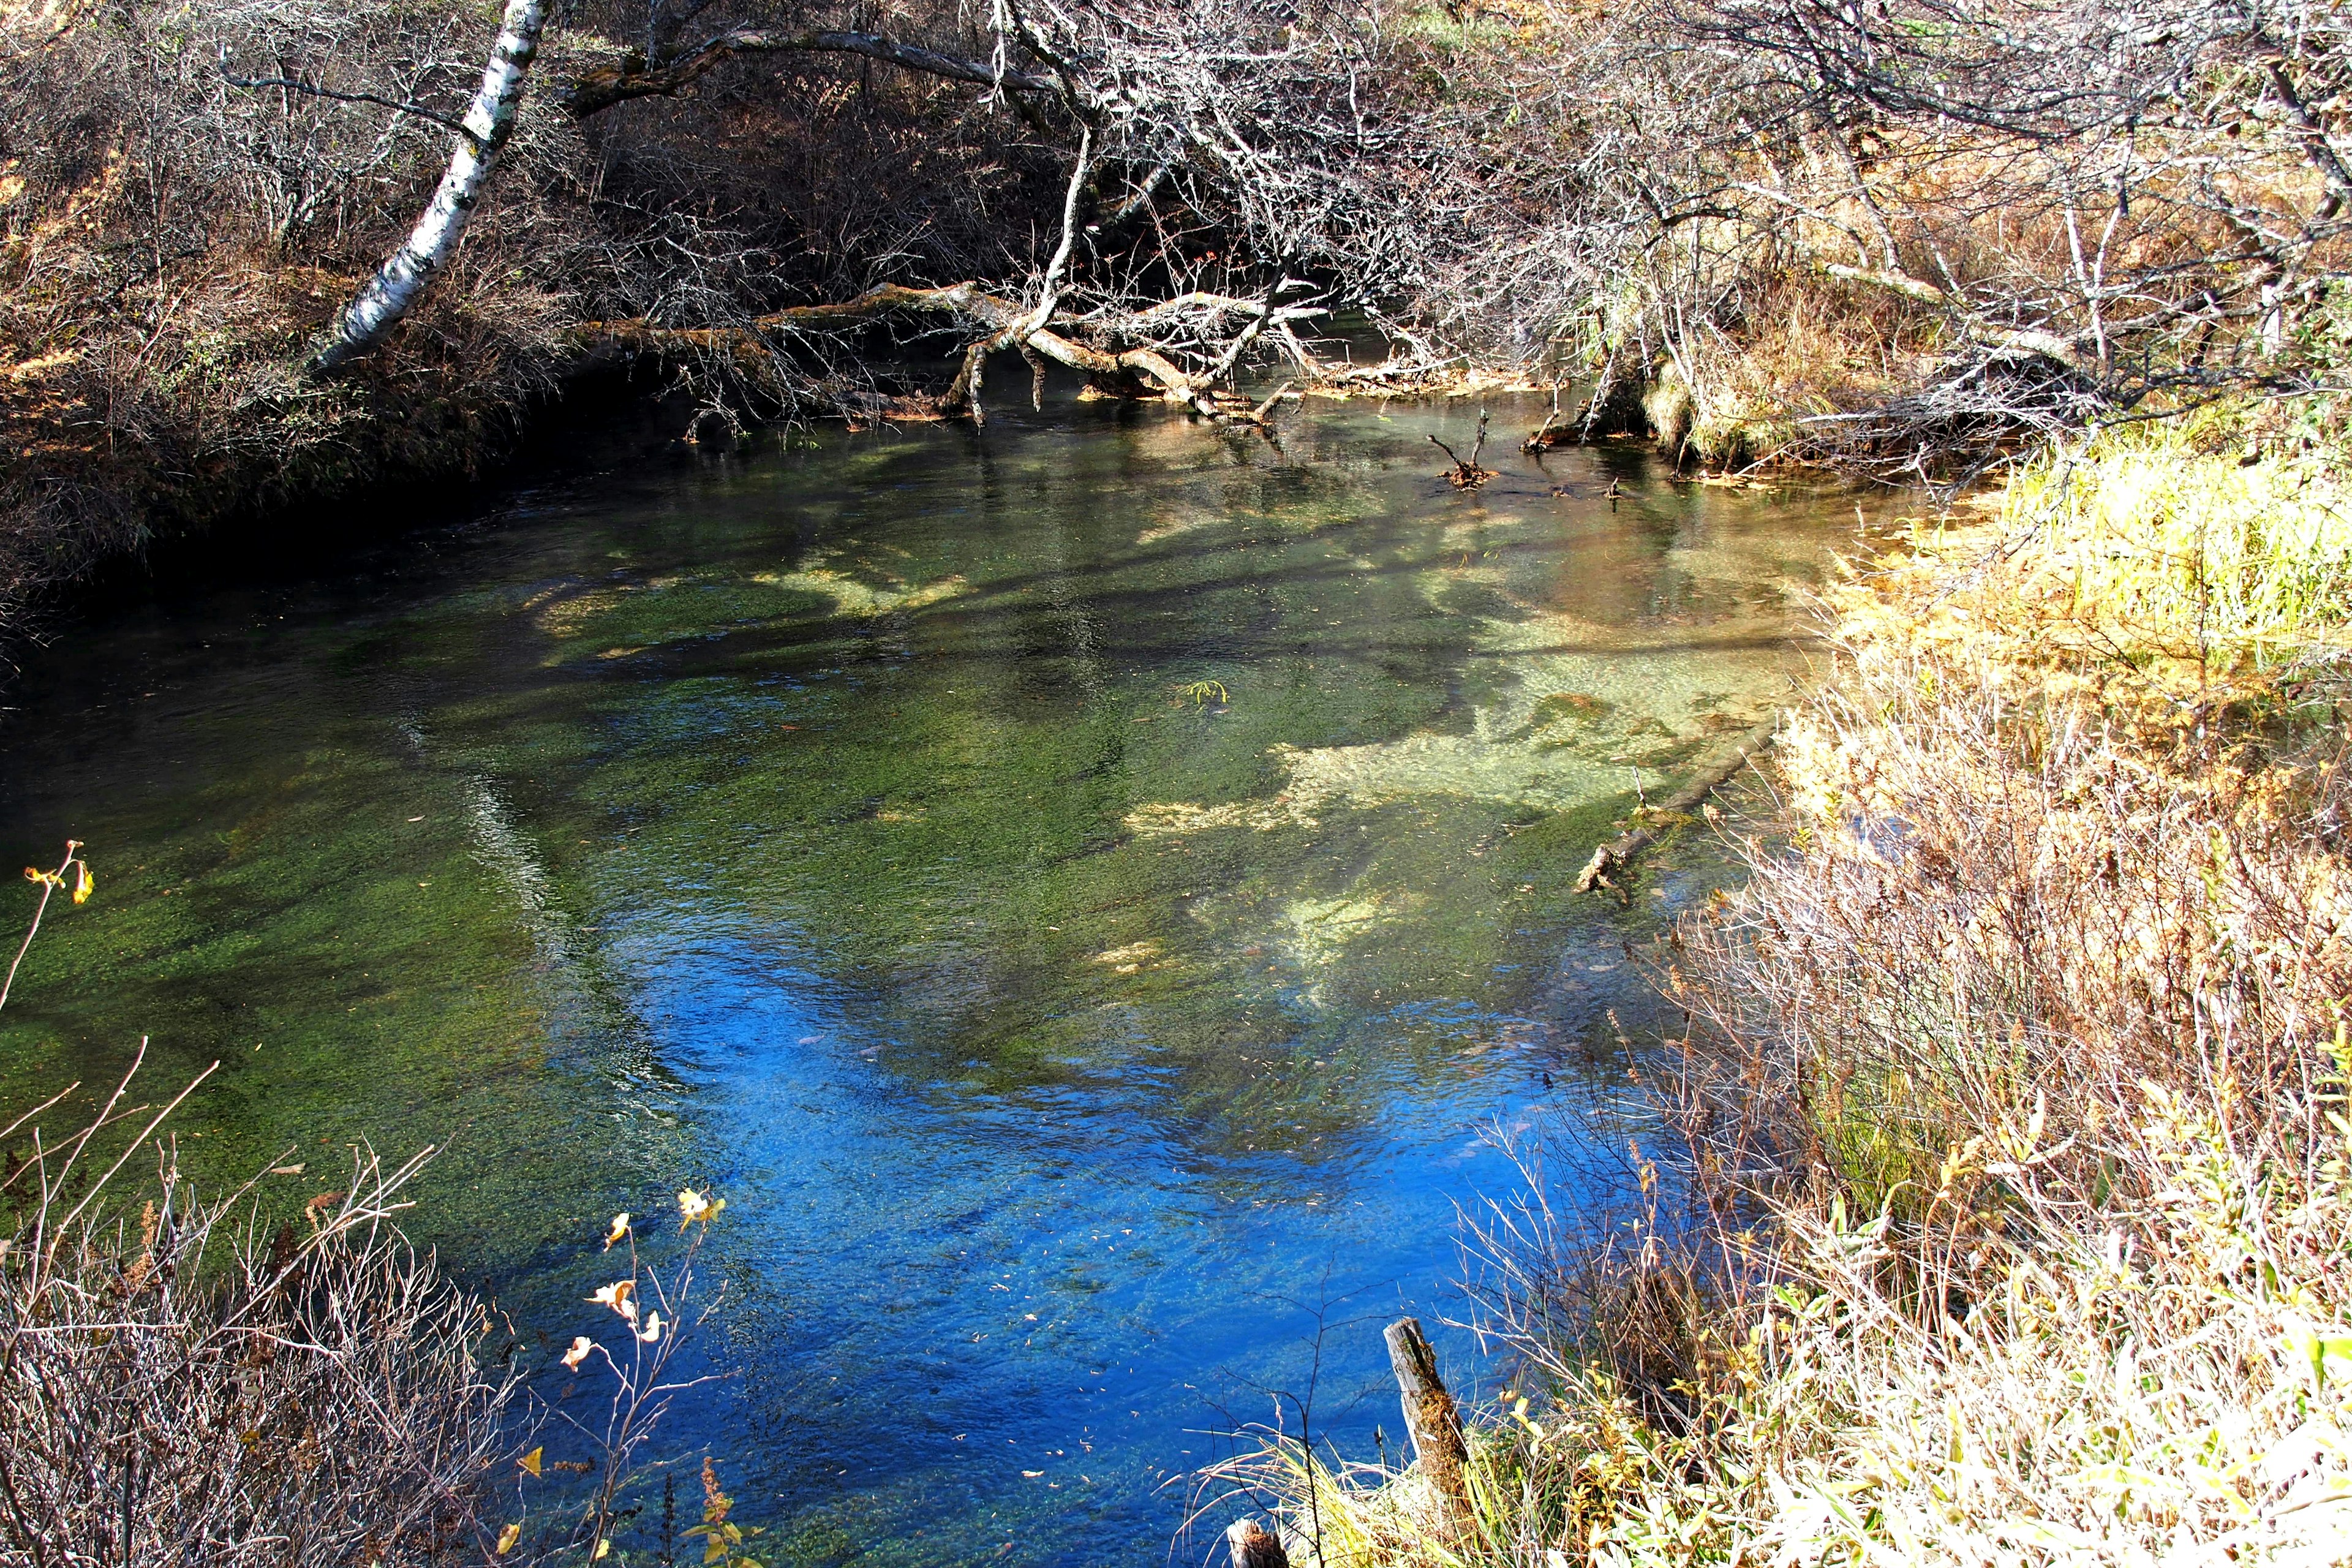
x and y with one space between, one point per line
1201 691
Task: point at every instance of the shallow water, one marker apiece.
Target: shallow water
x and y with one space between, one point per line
1079 891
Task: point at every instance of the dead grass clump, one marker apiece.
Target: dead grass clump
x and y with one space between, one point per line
1778 383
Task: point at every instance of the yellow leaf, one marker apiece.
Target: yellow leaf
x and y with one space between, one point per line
601 1548
616 1296
83 883
620 1228
531 1461
507 1537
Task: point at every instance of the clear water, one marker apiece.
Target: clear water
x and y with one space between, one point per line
1079 891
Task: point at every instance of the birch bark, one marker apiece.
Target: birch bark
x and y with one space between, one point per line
486 128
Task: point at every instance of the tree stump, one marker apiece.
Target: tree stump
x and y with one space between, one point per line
1430 1415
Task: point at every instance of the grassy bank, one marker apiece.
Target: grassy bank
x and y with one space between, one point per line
2015 1214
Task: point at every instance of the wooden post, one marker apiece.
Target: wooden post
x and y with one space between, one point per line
1253 1546
1429 1412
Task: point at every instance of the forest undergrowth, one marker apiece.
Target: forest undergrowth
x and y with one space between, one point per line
2001 1196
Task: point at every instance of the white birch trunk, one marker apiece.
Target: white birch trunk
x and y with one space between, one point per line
488 124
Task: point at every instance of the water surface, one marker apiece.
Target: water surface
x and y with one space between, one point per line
1078 889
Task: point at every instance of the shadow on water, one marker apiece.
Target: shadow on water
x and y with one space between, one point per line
1079 891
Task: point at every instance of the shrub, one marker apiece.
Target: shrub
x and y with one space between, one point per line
196 1385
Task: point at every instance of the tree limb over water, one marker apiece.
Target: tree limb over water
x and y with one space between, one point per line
1007 323
601 89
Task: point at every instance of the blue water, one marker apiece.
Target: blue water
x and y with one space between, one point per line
1087 895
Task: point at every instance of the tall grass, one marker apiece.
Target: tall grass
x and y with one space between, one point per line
2191 542
2017 1150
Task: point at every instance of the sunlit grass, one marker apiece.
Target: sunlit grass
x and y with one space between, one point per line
2195 542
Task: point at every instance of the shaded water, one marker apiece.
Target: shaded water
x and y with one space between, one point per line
1078 891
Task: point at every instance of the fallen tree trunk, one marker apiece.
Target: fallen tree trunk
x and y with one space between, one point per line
1008 324
2008 340
1614 856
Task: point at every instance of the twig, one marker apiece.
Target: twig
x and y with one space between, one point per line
49 883
312 89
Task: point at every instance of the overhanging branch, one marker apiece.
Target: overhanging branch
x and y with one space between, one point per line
2018 340
1008 323
633 77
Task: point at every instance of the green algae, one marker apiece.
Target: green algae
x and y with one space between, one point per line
1251 783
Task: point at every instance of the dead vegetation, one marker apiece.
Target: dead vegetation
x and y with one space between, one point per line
187 1382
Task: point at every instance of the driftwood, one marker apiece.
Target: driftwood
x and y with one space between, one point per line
1613 856
1008 324
1467 476
1430 1415
1553 432
1253 1546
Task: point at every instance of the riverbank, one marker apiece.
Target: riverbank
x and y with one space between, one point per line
2006 1170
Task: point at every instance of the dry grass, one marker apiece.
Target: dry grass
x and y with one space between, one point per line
1807 346
2020 1188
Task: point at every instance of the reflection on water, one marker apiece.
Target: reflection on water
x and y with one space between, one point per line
1078 890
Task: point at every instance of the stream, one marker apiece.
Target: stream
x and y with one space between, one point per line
1089 894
